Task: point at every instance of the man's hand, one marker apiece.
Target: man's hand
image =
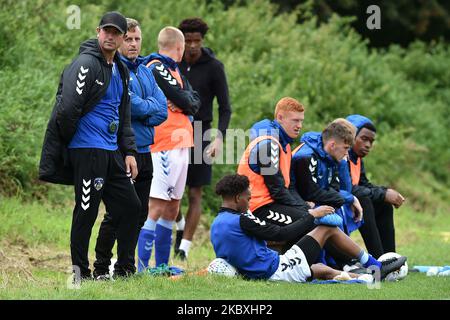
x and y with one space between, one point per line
357 210
321 211
310 204
131 166
393 197
173 107
214 148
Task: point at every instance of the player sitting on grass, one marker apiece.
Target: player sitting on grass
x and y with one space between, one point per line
239 238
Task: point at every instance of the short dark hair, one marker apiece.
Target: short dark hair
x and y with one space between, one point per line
232 185
368 126
194 25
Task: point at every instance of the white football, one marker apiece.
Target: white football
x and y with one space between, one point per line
395 275
222 267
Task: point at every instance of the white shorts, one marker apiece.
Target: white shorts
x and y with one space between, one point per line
169 174
293 267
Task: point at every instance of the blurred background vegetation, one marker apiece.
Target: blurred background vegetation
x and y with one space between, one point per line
319 52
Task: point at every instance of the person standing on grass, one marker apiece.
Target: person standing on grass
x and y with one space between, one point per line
378 231
170 151
240 238
148 109
207 76
89 142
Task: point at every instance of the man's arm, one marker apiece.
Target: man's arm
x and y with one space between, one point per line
77 80
220 90
264 160
152 109
184 97
305 172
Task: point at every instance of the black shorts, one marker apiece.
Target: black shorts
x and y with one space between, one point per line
199 174
310 247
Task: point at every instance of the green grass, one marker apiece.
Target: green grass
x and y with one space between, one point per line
35 262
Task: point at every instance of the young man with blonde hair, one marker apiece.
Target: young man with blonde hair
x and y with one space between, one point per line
316 167
170 151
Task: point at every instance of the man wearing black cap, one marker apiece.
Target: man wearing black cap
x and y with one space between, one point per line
89 143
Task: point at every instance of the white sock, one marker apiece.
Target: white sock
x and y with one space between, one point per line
180 224
185 245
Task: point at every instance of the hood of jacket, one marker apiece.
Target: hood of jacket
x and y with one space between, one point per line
359 121
314 141
166 60
271 128
207 55
92 47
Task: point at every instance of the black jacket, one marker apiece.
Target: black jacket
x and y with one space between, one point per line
82 85
207 77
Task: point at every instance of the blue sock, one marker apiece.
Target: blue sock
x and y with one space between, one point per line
163 241
145 244
367 260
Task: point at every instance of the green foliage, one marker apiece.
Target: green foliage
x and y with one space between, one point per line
267 56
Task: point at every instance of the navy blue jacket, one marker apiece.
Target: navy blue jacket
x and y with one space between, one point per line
321 179
148 103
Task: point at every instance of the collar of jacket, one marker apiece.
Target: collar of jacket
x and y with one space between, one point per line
284 138
352 156
207 55
92 47
225 209
166 60
132 65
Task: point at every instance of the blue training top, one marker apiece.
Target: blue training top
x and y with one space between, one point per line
248 254
93 129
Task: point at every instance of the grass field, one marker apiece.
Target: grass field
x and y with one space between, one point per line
35 263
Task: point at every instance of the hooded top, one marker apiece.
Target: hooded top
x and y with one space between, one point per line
321 179
207 77
177 90
240 238
82 85
316 173
148 103
263 155
364 187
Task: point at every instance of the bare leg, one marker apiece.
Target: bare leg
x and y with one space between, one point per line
324 272
339 239
193 213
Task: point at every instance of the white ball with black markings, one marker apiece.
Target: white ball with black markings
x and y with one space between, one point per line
222 267
398 274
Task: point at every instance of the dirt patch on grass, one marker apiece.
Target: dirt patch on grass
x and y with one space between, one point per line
19 261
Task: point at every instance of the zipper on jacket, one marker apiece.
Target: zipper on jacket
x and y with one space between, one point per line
140 85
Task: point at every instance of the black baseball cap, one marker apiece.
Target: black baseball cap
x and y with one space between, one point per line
114 19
